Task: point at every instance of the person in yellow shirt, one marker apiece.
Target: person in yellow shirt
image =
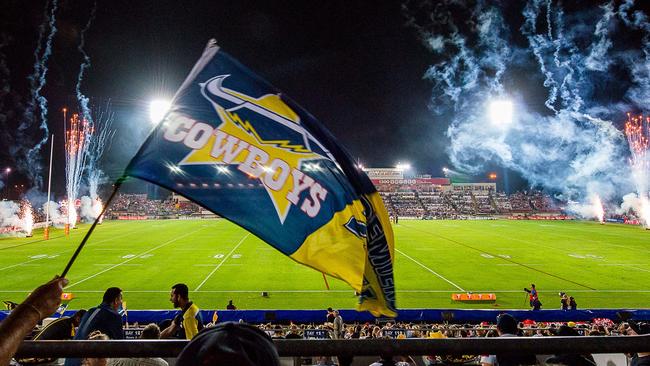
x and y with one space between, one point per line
188 322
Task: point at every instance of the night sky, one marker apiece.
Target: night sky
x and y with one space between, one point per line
375 73
357 68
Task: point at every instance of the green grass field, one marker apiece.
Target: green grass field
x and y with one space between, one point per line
602 266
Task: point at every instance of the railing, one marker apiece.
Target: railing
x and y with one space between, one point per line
347 349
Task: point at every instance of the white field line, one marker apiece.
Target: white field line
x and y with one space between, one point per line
138 255
640 269
349 291
66 251
430 270
224 259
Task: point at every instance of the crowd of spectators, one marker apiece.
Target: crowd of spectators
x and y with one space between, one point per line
140 205
455 204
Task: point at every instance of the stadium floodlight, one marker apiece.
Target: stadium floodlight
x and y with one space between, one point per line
403 166
157 110
501 112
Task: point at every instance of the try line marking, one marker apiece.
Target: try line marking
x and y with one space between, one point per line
67 251
136 257
224 259
430 270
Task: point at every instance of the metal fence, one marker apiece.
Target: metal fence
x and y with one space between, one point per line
350 348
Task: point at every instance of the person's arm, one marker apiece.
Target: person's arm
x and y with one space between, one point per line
170 331
39 304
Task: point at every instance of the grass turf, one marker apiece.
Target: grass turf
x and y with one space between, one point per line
602 266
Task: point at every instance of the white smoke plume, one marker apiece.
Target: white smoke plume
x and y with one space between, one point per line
14 219
568 142
56 218
86 210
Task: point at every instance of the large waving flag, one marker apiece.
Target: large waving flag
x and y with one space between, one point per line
235 145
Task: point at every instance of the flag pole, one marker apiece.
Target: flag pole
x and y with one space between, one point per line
325 279
117 185
46 232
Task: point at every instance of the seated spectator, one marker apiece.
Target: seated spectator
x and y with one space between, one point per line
387 360
641 358
151 331
230 344
96 336
293 333
570 358
507 327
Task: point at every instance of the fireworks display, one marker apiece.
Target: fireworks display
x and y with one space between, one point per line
599 211
77 136
637 130
27 217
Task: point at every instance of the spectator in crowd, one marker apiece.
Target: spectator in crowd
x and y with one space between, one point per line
61 328
151 331
96 336
188 322
230 344
634 328
330 315
338 326
230 306
293 332
507 327
572 359
39 304
387 360
104 318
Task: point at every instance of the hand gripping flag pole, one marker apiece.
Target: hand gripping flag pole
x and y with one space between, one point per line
117 185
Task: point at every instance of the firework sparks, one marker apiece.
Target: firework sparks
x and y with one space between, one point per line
27 217
637 130
77 136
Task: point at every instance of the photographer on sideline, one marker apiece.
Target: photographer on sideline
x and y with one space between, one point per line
532 295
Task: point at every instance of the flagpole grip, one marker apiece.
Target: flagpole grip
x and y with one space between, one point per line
117 185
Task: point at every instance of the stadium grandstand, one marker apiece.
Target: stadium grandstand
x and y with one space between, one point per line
424 197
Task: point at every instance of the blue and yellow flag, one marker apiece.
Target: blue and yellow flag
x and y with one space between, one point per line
235 145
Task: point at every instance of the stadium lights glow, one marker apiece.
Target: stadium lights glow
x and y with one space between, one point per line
403 166
157 110
501 112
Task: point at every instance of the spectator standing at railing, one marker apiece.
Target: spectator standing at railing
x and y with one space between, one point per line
188 322
337 325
